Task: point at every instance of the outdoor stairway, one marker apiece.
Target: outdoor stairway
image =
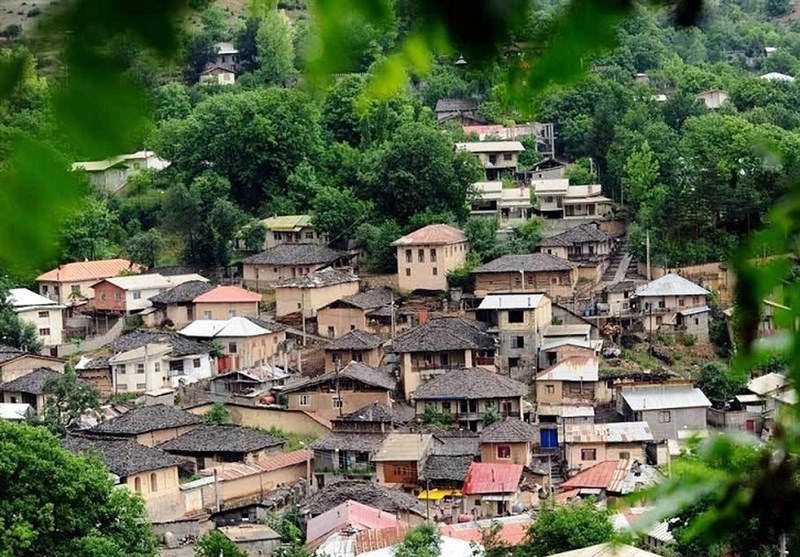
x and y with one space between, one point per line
616 261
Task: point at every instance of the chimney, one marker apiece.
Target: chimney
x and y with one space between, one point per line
422 315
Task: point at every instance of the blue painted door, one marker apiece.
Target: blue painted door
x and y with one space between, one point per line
549 438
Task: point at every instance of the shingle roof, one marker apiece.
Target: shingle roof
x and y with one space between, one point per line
85 363
453 105
623 286
224 438
470 383
294 254
671 285
375 412
371 299
344 441
447 468
445 333
354 371
455 443
319 279
355 340
181 346
31 383
147 418
87 270
122 456
529 263
509 430
582 234
433 234
365 492
228 294
183 293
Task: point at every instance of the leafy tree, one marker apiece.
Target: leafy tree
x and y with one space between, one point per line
433 417
87 232
777 8
377 240
718 382
491 416
217 544
275 48
444 81
11 31
565 527
492 545
61 504
481 234
526 237
218 414
641 173
172 101
422 541
66 397
13 331
580 173
201 51
339 112
144 247
247 44
337 213
254 234
530 155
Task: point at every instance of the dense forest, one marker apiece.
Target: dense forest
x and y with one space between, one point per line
368 169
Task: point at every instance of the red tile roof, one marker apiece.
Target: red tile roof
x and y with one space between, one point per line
485 477
598 476
229 294
512 534
284 460
432 234
88 270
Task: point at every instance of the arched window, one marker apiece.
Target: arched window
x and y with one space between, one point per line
153 482
137 485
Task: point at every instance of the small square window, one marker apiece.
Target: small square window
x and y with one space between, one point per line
231 313
588 454
43 315
507 156
44 332
550 389
337 402
232 348
206 315
137 294
516 316
513 362
196 363
504 452
408 272
435 271
139 368
664 417
305 400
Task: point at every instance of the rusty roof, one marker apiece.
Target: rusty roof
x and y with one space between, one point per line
433 234
621 432
229 294
490 477
88 270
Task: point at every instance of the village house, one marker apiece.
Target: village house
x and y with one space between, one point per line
442 344
355 346
713 98
71 284
209 445
510 206
96 372
286 261
516 320
618 299
585 245
425 256
667 409
460 111
150 472
548 168
672 304
147 361
587 444
543 132
499 159
467 395
15 363
446 468
307 294
248 383
253 539
131 294
609 478
574 379
529 273
491 489
382 497
338 393
356 312
292 229
112 174
149 425
224 302
176 305
374 418
43 313
400 459
559 199
246 341
509 441
219 74
562 341
351 517
16 411
27 388
345 455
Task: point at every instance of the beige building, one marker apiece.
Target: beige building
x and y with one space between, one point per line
15 363
224 302
306 294
498 158
27 388
71 284
572 380
287 261
425 256
357 312
112 174
221 75
713 98
400 459
43 313
355 346
509 441
589 444
672 304
530 273
559 199
149 425
291 229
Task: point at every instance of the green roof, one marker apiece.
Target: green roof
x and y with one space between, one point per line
288 223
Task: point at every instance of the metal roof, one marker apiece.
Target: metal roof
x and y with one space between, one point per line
695 311
767 383
491 477
152 281
21 298
606 550
573 368
620 432
664 398
433 234
287 223
671 285
491 146
233 327
403 447
87 270
512 301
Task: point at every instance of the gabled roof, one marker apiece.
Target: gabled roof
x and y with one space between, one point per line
147 418
433 234
228 294
9 353
235 327
512 301
529 263
319 279
375 412
354 371
20 298
30 383
510 430
444 333
486 477
136 339
355 340
287 223
572 368
491 146
619 432
371 299
183 293
582 234
350 515
123 457
223 438
403 447
453 468
366 492
454 443
767 384
294 255
623 286
607 550
150 281
664 398
349 441
671 285
456 105
15 410
88 270
470 383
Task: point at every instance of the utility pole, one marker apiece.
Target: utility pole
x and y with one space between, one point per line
391 308
782 551
338 391
647 247
303 313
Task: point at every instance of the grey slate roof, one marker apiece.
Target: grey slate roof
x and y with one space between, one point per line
509 430
183 293
319 279
148 418
267 324
31 383
122 456
470 383
375 412
455 443
100 362
344 441
365 492
530 263
294 254
223 438
581 234
355 340
446 468
9 353
355 371
181 346
371 299
452 105
445 333
623 286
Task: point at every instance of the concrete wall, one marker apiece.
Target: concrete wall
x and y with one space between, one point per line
520 453
252 351
680 418
322 403
160 491
411 373
277 237
425 266
291 300
290 421
555 284
369 357
62 292
717 277
335 322
225 310
153 438
603 451
49 323
17 368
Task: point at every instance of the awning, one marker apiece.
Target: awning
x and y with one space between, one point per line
438 494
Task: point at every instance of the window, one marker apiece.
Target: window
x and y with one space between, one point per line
624 455
548 199
231 313
117 295
408 272
206 315
446 406
137 485
196 363
554 280
305 400
513 362
504 452
588 454
625 305
139 368
157 367
75 289
102 295
276 235
516 316
517 342
493 159
331 331
141 386
680 302
43 315
337 402
120 369
408 256
550 389
661 304
122 387
664 417
696 320
231 348
137 294
44 332
309 235
435 271
44 289
421 255
352 327
153 482
433 255
507 156
444 359
358 357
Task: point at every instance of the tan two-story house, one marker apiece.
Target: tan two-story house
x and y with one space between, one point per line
425 256
529 273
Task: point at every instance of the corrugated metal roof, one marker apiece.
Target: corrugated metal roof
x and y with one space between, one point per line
620 432
512 301
88 270
575 330
233 327
573 368
287 223
228 294
150 281
350 514
606 550
671 285
22 298
485 477
403 447
768 383
695 311
664 398
491 146
433 234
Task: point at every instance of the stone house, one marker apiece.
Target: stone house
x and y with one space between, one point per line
530 273
291 229
400 459
491 489
587 444
149 425
509 441
588 247
15 362
97 372
425 256
355 346
667 409
440 345
345 455
131 294
672 304
618 299
71 284
44 314
374 418
307 294
27 388
452 453
286 261
356 312
468 394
